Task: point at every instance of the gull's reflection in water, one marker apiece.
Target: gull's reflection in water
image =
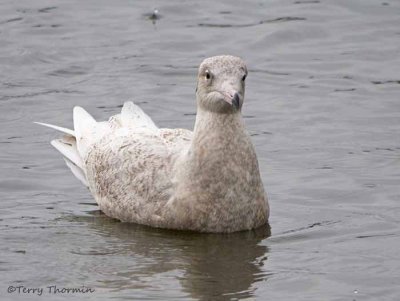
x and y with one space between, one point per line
211 266
225 267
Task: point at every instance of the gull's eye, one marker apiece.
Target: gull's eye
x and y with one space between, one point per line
208 74
244 77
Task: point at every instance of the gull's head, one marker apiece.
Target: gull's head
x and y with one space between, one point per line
220 84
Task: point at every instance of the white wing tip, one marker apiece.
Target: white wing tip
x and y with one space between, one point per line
128 102
78 108
128 106
133 116
82 119
58 128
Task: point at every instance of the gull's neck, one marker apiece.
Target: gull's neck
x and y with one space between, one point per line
213 129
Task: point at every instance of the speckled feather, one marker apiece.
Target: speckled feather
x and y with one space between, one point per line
207 180
130 174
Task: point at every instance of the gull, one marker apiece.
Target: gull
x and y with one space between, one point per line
205 180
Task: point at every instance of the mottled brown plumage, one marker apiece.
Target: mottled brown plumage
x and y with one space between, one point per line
207 180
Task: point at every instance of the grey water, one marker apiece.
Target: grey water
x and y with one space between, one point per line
322 105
